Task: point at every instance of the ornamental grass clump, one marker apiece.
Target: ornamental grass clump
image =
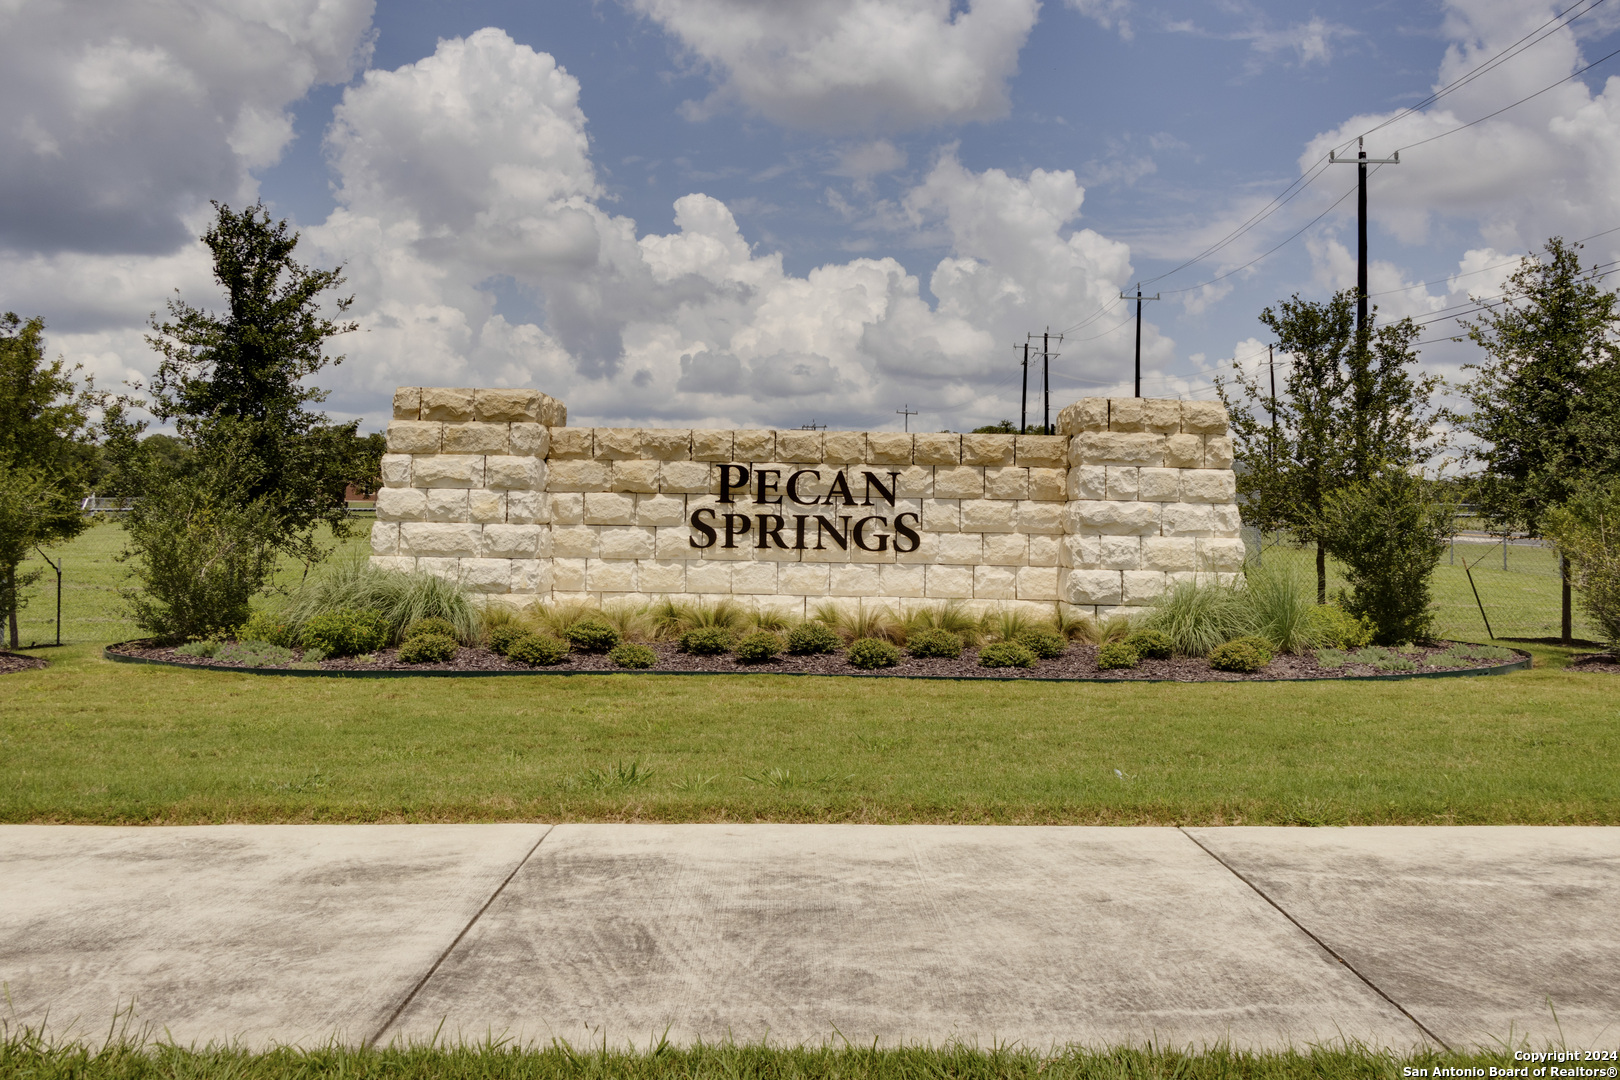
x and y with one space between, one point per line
870 652
1151 645
812 639
759 647
344 633
1198 616
428 649
1115 655
631 655
399 598
934 644
593 635
1282 606
671 619
1245 655
537 650
948 617
1005 654
706 640
1044 642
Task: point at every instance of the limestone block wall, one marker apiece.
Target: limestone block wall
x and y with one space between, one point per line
491 488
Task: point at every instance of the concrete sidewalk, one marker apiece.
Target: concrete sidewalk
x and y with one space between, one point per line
1039 936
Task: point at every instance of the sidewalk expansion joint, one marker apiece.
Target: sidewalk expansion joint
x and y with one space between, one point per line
1261 893
423 981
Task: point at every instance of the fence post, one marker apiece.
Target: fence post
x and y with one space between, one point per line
1568 624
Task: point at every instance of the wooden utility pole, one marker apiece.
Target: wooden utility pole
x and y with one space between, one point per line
1361 161
1139 299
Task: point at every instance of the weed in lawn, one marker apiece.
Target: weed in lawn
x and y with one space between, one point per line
695 782
616 777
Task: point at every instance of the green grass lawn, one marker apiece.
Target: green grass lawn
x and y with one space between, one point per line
87 740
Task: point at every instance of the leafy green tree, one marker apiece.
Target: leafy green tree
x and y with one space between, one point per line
46 447
1586 530
1389 531
1350 406
1546 400
1007 427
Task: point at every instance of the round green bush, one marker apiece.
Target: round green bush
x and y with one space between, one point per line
537 650
1246 654
810 638
431 625
500 637
631 655
1044 643
262 626
1332 627
939 644
1117 654
1006 654
345 633
1151 645
871 652
428 649
758 647
706 641
593 635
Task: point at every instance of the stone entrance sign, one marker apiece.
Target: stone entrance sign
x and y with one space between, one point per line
491 488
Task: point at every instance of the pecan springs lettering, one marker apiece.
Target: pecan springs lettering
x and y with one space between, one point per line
765 529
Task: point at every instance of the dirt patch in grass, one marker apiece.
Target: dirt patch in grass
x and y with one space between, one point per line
1606 662
10 662
1078 662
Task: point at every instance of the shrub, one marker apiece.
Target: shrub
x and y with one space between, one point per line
500 638
428 649
262 626
1333 659
630 655
1151 645
941 644
402 599
1332 627
313 656
1586 531
1198 616
593 635
538 650
1044 643
706 641
204 649
1006 654
871 652
758 647
253 654
810 638
345 633
1245 654
1389 532
1281 600
431 625
1118 654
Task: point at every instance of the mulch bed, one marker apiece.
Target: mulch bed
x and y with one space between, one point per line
1079 662
10 661
1609 662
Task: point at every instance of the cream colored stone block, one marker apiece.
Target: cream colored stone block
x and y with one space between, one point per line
609 508
889 448
384 538
843 447
1142 587
1221 554
667 444
959 548
617 444
639 474
1162 415
710 578
1159 485
895 579
475 438
1042 451
987 449
1184 452
936 449
447 568
506 473
1123 483
414 437
1006 549
575 542
447 471
1045 550
1188 519
660 510
995 583
799 447
486 507
532 440
567 508
753 579
1227 520
1087 414
441 539
447 403
553 413
527 507
626 542
851 579
710 445
578 475
661 576
396 470
675 542
753 446
568 575
570 444
1090 586
401 504
1081 552
408 403
507 406
1128 414
925 552
742 550
1087 483
803 579
447 504
1048 485
1116 518
610 575
1218 453
685 476
1203 418
941 515
1208 486
1121 553
948 582
1038 583
916 482
959 482
531 577
1169 554
989 515
1040 517
1122 448
1006 483
399 564
510 541
486 575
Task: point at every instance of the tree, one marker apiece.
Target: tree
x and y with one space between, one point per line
45 452
1546 400
1348 409
1587 532
1389 531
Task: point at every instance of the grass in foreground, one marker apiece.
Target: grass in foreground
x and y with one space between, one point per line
22 1056
90 741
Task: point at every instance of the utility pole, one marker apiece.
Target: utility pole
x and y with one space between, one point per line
908 412
1361 161
1271 362
812 426
1023 399
1139 299
1046 377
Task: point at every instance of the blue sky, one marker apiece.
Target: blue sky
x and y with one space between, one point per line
692 212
